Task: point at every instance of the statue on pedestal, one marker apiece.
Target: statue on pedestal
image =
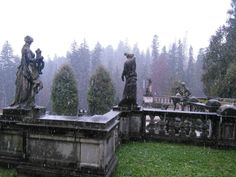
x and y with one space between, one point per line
129 75
27 77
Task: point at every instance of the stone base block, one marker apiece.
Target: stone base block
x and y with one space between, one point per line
19 114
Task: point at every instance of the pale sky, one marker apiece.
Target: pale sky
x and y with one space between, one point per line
55 24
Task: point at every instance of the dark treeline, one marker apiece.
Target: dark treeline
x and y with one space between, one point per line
164 66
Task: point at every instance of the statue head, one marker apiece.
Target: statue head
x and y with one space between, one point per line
28 39
129 55
183 83
38 51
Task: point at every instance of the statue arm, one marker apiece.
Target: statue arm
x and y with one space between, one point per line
124 72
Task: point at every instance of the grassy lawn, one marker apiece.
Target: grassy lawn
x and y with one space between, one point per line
154 159
8 173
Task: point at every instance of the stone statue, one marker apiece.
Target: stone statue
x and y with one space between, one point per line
149 88
182 96
27 77
129 75
183 90
39 61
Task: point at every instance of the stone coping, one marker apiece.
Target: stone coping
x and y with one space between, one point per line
178 112
97 122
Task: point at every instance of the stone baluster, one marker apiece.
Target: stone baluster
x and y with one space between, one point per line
205 129
151 126
192 133
182 129
162 125
187 127
171 127
198 126
177 125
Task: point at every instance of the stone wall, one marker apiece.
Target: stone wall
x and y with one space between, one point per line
59 145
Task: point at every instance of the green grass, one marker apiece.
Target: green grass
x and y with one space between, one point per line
154 159
8 173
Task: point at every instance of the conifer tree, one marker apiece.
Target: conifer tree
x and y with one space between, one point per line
155 47
64 92
8 68
101 92
96 57
80 61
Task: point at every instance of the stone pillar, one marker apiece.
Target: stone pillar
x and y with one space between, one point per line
131 124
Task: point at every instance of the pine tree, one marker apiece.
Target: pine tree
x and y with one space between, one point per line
8 68
198 73
161 74
96 57
219 57
80 61
172 64
101 92
50 69
230 81
155 47
213 64
180 62
64 92
190 72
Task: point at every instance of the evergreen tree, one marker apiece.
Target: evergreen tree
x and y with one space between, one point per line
8 68
198 73
64 92
219 57
96 57
230 81
155 47
214 65
161 74
49 71
147 64
172 63
80 61
108 58
190 73
180 62
101 92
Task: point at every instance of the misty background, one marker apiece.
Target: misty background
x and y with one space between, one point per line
168 38
163 65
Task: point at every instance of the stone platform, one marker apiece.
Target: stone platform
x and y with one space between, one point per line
50 145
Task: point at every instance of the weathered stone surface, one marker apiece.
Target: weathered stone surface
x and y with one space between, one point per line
227 110
81 146
213 105
10 113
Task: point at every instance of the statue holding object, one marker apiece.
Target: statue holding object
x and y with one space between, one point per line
27 77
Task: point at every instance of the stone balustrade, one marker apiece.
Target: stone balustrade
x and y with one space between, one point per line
207 128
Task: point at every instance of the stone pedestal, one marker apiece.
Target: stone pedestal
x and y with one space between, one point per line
15 114
130 123
59 145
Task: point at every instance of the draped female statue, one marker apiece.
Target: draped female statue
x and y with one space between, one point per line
27 78
129 75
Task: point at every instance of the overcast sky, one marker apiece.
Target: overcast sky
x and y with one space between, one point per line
55 24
